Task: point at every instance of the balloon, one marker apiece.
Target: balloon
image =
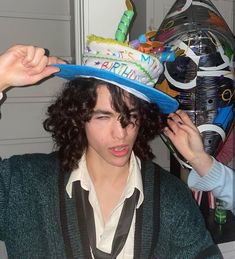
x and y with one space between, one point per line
201 76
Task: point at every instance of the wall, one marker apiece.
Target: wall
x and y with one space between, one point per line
44 23
140 18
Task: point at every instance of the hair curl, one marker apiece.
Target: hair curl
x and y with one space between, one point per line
74 107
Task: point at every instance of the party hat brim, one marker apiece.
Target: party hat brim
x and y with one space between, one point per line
166 103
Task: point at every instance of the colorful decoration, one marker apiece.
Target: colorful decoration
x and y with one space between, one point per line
202 71
146 44
124 24
114 61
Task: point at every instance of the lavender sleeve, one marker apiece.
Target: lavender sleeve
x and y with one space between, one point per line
220 180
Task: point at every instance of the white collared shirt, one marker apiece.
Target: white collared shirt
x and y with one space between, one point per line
105 233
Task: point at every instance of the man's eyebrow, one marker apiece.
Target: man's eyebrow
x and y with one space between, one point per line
100 111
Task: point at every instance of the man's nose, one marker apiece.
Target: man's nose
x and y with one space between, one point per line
118 131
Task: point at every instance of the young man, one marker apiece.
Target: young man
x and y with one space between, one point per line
100 196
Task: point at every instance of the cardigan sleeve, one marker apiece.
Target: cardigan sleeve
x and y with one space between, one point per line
5 179
184 234
192 239
220 180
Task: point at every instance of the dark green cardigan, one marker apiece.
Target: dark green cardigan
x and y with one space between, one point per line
30 221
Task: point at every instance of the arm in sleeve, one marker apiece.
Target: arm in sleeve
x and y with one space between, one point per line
184 234
220 180
4 191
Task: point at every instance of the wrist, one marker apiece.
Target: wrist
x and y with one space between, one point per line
3 80
202 163
3 86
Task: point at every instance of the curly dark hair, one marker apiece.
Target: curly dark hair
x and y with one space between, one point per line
74 107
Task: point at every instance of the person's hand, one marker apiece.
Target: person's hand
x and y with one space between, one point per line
187 140
24 65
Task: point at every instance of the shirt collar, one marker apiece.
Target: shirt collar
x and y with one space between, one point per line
79 174
134 180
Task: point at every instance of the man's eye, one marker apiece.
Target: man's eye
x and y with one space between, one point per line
102 117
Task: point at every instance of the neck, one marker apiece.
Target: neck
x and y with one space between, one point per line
109 182
100 171
107 173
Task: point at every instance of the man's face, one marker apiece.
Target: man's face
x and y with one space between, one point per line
108 142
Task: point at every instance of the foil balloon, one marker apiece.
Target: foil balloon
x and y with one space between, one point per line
201 76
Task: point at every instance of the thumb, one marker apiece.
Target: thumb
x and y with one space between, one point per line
48 71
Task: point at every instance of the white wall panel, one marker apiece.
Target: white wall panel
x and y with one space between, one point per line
102 17
58 7
22 118
32 147
44 23
156 11
49 88
95 17
51 34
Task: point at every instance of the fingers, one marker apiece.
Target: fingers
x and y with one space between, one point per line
174 122
47 71
33 57
55 60
179 123
181 118
38 67
170 134
25 65
185 118
36 62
